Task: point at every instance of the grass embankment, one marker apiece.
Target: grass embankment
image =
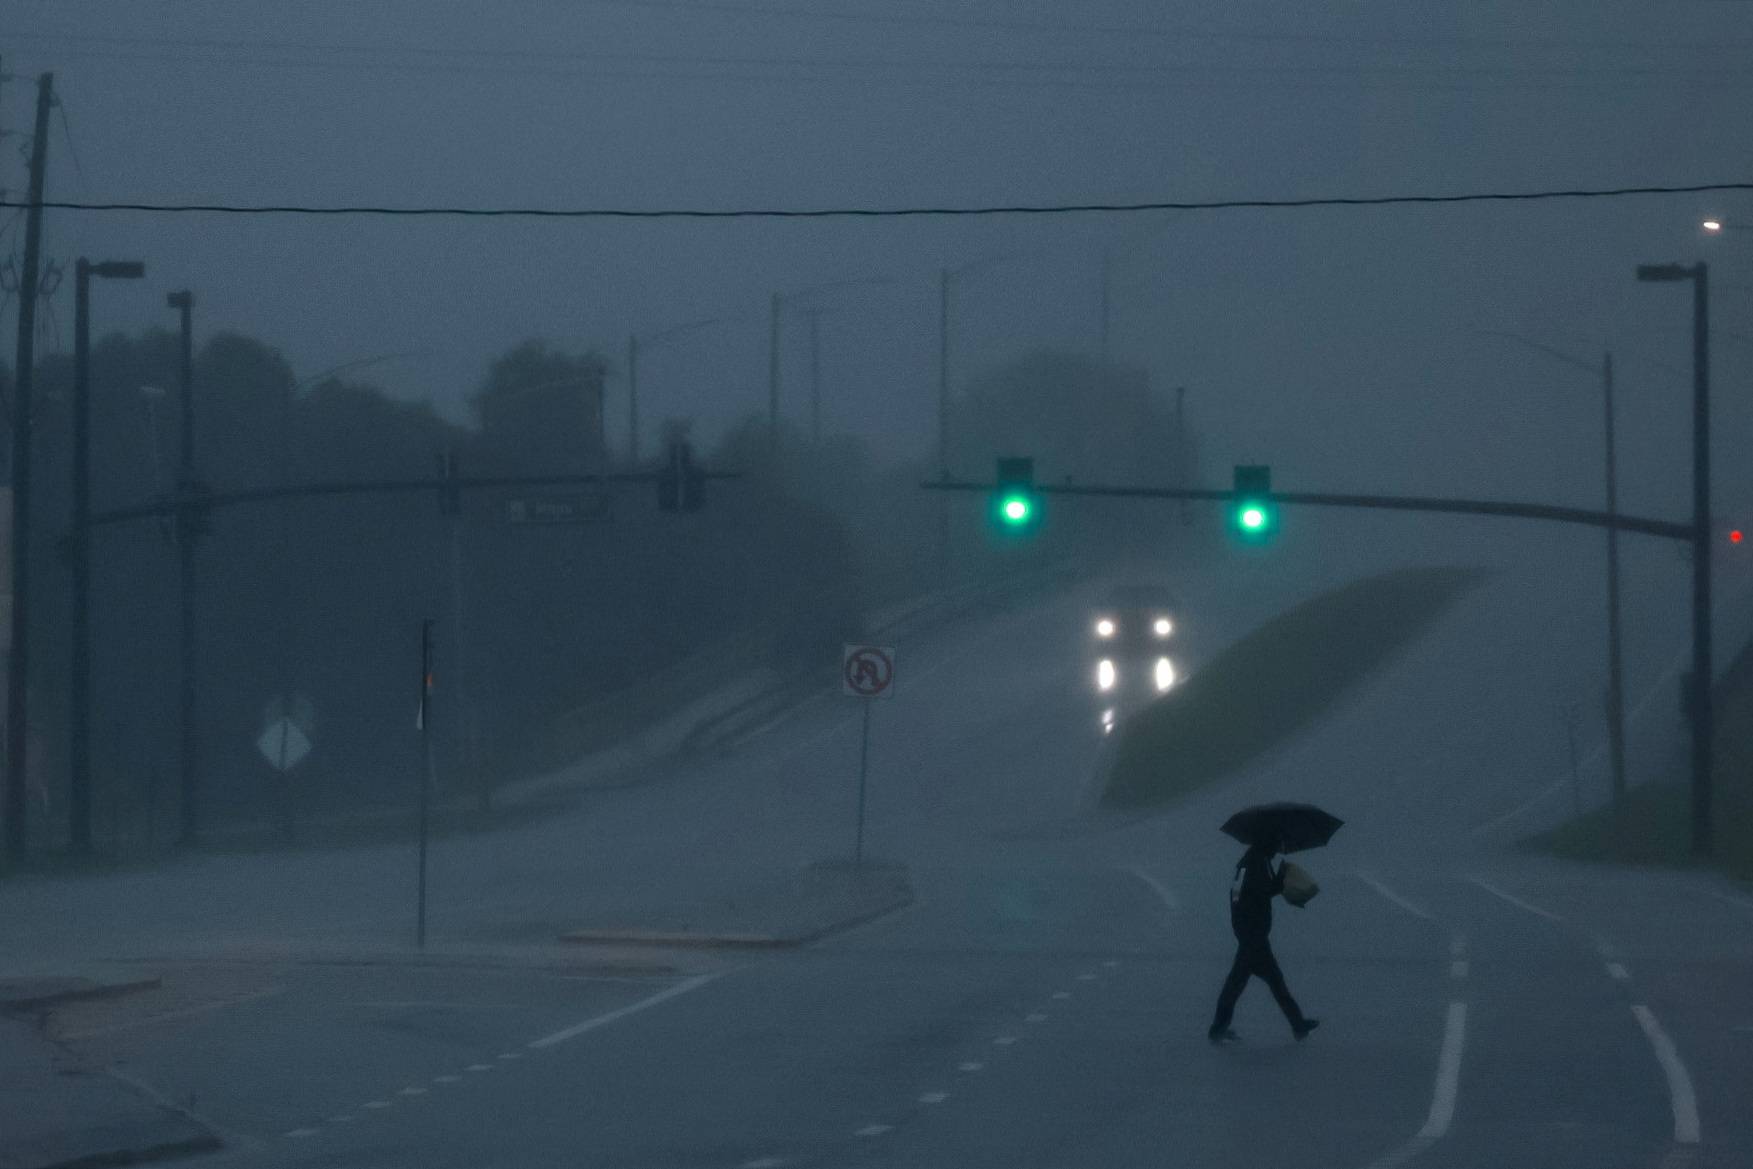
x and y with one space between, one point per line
1654 825
1271 685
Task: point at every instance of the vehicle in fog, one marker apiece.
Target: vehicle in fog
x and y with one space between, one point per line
1130 635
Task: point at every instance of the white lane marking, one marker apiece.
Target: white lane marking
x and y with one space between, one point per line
764 1163
1165 894
1036 1017
662 996
1606 949
445 1079
1514 900
299 1134
1729 898
1061 994
412 1090
1442 1101
1086 978
874 1130
377 1104
934 1097
1112 963
508 1055
1458 946
184 1013
1458 969
1387 893
975 1065
479 1067
340 1120
1615 970
1005 1040
1680 1093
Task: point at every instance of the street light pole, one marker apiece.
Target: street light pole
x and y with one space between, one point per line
815 319
79 705
773 377
632 399
188 535
1699 690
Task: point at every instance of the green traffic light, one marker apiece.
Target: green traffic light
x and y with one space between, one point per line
1015 509
1253 518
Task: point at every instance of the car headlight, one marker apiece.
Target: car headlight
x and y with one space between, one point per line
1105 674
1105 627
1162 627
1165 673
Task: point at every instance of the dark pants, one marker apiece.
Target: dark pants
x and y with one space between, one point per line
1254 960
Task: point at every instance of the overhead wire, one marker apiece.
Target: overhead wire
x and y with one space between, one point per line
848 212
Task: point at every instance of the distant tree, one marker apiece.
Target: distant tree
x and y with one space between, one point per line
541 409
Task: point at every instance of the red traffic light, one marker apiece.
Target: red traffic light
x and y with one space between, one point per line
1736 536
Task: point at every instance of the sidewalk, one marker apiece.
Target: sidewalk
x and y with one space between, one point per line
54 1113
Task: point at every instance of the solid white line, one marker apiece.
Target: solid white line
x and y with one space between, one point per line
1442 1102
1615 970
1163 892
1680 1093
1448 1076
184 1013
1409 907
1514 900
577 1029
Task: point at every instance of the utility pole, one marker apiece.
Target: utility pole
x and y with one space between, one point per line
18 661
1107 303
188 530
815 319
943 411
1615 670
79 686
1703 678
632 399
773 380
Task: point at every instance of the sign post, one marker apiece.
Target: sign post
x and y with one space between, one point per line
867 672
424 722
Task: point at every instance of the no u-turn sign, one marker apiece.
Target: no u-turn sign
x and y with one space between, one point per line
868 671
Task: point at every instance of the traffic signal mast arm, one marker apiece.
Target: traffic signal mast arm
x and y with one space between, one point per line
1666 529
171 506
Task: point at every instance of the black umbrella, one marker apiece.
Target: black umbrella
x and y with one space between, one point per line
1293 827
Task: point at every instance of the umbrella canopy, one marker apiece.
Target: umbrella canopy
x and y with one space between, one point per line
1293 827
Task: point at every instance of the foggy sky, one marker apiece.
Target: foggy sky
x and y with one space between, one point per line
1334 344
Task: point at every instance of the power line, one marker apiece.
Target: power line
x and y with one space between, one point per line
880 212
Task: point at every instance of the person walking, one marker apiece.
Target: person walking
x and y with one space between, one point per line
1256 884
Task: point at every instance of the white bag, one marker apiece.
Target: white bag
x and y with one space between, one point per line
1299 887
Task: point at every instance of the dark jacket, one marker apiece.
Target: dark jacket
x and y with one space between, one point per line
1251 895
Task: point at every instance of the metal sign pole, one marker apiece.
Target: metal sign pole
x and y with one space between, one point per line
863 777
425 773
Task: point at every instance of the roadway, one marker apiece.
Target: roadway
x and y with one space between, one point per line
1043 1002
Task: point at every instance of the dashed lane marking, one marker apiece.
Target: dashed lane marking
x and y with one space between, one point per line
1457 946
603 1020
1005 1040
479 1067
445 1079
508 1055
934 1097
412 1090
1086 977
1036 1017
1512 899
1112 964
377 1104
1680 1092
1062 995
299 1134
1615 970
976 1065
874 1130
1458 970
764 1163
341 1120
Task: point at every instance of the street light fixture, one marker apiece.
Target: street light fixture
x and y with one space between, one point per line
79 717
775 307
1699 688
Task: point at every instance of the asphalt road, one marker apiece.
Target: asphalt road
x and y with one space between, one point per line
1043 1002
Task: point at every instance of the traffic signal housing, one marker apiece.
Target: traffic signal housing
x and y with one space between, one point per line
1016 506
1253 514
681 486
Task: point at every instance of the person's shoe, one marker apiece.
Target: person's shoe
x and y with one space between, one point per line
1301 1030
1225 1035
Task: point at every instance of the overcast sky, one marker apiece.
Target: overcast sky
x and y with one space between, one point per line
1335 344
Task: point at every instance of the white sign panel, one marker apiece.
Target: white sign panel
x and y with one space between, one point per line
868 671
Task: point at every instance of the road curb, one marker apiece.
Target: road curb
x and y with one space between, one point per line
81 990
